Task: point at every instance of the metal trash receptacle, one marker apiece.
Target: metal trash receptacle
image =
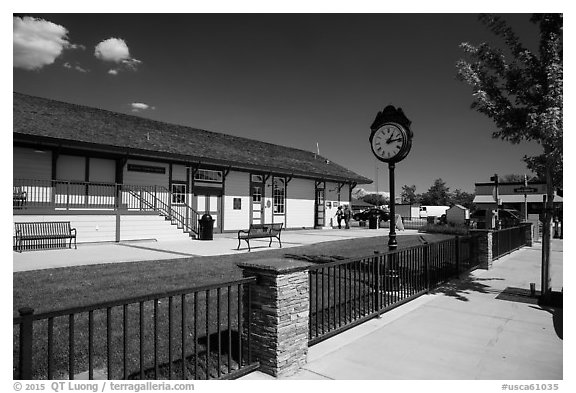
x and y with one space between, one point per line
373 221
206 227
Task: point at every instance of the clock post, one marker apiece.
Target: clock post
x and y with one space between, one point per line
392 243
391 141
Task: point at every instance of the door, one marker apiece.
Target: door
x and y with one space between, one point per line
320 208
257 193
210 202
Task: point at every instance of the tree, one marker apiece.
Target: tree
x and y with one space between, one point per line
437 194
523 96
376 199
408 194
512 177
463 198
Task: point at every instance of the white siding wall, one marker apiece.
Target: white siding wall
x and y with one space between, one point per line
27 164
102 228
144 178
237 186
300 203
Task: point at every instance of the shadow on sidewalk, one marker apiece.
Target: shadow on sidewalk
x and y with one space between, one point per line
459 288
554 306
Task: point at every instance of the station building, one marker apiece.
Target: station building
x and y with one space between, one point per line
119 177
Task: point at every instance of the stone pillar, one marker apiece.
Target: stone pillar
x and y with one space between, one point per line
279 314
529 233
484 247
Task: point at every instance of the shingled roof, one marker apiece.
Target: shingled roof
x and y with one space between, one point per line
66 124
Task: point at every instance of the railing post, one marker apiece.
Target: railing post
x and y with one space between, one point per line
426 251
67 195
26 340
377 282
457 251
155 197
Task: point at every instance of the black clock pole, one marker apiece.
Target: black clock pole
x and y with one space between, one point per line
392 243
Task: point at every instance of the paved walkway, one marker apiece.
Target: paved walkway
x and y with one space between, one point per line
226 243
467 330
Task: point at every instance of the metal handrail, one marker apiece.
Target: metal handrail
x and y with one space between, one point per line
189 222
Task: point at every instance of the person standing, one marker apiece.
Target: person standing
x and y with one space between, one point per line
347 216
339 216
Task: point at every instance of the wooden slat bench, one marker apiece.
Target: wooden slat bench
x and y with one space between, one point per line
259 231
39 235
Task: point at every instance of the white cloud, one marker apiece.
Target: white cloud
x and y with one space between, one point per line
115 50
139 106
37 42
76 67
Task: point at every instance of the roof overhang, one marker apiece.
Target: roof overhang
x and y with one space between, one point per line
56 143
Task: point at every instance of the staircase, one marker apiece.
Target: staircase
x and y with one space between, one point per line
159 199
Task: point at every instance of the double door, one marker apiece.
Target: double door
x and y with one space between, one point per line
210 202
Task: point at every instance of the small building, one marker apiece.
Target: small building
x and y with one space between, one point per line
408 210
457 215
120 177
515 195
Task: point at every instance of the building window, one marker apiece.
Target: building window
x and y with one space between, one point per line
178 193
257 179
208 175
278 195
256 194
237 204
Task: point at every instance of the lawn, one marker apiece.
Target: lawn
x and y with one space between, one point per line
54 289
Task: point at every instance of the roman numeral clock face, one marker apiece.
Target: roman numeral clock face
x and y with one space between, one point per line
388 141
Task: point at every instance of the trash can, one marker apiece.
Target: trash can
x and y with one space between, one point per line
373 221
206 227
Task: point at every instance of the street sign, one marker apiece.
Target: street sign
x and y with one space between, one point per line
525 190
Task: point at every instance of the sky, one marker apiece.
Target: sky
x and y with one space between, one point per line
301 80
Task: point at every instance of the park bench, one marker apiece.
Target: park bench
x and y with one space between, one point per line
38 235
19 197
259 231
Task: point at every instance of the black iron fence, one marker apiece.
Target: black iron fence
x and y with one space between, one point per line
197 333
346 293
504 241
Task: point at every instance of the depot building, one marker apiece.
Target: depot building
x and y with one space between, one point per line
119 177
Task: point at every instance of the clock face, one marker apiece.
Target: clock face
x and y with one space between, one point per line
388 141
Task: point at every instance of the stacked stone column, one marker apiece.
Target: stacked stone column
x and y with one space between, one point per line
279 303
484 247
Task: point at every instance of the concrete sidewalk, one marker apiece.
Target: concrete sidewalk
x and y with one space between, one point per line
222 244
477 328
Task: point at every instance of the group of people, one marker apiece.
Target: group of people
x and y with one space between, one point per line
343 214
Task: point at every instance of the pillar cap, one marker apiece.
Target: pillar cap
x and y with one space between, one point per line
276 265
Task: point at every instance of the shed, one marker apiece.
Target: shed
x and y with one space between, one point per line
457 214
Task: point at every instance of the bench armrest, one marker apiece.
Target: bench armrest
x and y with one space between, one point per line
243 231
73 229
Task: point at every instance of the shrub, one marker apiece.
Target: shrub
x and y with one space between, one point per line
460 230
